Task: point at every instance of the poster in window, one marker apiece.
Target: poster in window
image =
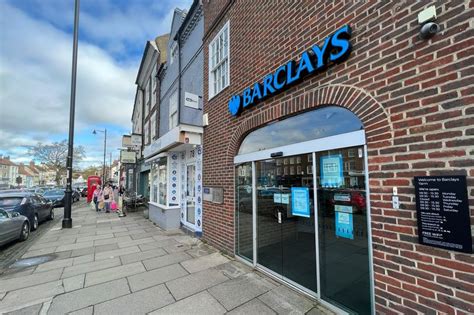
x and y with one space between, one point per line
300 202
344 225
331 171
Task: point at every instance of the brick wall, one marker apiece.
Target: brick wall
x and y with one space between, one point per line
415 98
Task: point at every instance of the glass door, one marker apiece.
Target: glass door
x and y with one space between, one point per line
285 219
190 192
343 235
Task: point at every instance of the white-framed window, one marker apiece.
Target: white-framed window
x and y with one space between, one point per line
153 87
147 97
173 52
147 132
153 125
309 169
173 110
159 182
219 73
351 153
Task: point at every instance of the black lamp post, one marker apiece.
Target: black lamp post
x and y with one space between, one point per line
67 220
105 146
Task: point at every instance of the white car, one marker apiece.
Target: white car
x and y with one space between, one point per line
13 226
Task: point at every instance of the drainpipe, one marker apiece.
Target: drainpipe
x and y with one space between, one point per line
179 79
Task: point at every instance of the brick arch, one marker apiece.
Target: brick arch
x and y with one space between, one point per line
377 125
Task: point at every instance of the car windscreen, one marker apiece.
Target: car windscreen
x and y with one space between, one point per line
10 201
53 193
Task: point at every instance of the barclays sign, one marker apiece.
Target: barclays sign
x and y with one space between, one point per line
335 48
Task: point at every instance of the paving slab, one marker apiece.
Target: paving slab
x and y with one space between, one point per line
30 310
82 298
94 237
204 262
136 242
85 311
140 302
54 264
201 303
83 251
39 252
89 267
83 259
63 248
284 301
38 246
30 296
165 260
29 280
127 259
73 283
113 273
105 248
155 277
113 240
234 269
200 250
175 248
254 306
194 283
116 252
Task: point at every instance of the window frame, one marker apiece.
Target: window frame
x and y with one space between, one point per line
173 97
211 52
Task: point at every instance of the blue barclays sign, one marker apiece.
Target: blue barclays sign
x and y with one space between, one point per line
335 48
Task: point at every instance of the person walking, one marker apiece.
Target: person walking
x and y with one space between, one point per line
108 197
96 196
122 210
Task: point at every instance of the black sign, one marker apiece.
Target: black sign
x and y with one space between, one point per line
443 212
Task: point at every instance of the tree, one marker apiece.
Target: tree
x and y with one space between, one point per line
91 170
54 156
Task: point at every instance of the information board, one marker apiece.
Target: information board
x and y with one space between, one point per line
300 201
443 212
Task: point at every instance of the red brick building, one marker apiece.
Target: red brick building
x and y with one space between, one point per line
413 99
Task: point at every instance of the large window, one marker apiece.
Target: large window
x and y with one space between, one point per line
219 76
154 87
153 125
162 177
312 125
147 98
173 110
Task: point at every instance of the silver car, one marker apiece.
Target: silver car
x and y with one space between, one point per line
13 226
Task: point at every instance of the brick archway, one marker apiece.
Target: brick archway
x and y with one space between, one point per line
377 125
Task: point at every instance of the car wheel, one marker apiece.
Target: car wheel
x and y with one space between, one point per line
51 215
25 231
35 223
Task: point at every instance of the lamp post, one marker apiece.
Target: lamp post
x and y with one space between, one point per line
105 146
67 220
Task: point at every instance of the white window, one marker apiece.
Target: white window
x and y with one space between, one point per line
173 110
153 87
219 75
309 169
153 125
174 52
158 183
147 132
147 97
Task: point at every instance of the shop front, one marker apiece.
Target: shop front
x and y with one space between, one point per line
176 181
302 212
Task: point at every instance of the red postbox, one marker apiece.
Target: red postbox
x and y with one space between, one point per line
92 183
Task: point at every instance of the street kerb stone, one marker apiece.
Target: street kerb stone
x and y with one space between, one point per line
89 267
194 283
285 300
165 260
254 306
109 274
204 262
117 252
82 298
127 259
240 290
155 277
31 295
201 303
140 302
29 280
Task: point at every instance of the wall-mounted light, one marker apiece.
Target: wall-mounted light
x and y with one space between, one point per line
426 19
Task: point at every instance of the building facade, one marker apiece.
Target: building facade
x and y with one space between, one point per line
175 154
322 117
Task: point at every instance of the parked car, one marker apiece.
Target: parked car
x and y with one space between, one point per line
76 195
56 196
36 190
13 226
32 206
84 192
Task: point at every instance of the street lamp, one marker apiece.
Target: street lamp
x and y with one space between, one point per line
105 145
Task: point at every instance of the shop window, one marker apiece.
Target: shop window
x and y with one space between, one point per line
173 110
308 126
154 183
219 76
163 181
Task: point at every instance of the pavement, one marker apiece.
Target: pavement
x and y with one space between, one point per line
111 265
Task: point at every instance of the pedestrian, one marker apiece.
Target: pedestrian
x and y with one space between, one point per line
108 194
122 208
96 196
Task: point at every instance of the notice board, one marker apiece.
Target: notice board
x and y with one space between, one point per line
443 212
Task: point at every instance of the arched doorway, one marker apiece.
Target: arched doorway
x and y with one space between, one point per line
302 212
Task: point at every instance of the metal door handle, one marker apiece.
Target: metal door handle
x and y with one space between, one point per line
279 217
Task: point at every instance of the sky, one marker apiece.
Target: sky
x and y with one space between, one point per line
36 38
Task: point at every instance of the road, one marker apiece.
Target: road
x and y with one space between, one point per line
9 253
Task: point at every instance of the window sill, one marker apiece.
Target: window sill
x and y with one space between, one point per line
163 207
210 98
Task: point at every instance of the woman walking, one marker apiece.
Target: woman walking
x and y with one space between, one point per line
96 196
108 197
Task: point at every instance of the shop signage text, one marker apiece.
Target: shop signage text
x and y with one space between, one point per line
335 48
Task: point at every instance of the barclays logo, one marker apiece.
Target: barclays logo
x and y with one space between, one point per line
335 48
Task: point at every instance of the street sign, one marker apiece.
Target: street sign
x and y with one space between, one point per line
126 141
136 140
127 157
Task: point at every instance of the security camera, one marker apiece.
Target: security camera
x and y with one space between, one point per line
429 29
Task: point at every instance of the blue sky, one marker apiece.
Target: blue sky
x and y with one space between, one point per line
35 69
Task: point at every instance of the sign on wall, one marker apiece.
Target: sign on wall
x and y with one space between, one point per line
300 202
191 100
136 140
332 171
127 157
443 212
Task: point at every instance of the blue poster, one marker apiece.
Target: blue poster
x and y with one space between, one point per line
300 201
331 171
344 225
